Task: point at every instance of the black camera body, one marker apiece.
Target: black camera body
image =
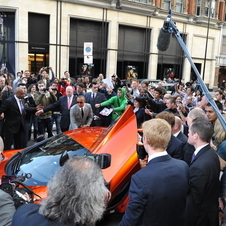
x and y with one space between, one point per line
10 185
44 89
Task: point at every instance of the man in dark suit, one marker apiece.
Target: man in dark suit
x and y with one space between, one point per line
177 130
14 111
188 149
192 115
81 114
175 146
64 105
158 191
202 199
93 98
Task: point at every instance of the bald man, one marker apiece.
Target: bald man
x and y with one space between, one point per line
64 105
176 130
14 111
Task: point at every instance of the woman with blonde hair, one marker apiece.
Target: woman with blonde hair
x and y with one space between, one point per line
219 141
219 137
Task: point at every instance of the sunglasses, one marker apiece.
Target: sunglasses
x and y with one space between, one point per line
79 102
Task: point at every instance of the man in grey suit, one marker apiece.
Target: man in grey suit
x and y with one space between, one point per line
7 208
81 114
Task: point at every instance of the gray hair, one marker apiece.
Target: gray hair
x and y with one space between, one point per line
76 194
197 113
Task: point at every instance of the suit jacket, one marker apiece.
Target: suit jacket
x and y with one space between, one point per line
182 137
7 208
14 120
158 194
156 107
140 116
185 130
28 214
202 199
99 98
62 105
76 117
175 148
187 150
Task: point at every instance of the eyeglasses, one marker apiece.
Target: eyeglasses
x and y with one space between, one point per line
79 102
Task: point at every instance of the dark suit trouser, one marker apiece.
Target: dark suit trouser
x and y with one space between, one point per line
45 123
105 122
13 138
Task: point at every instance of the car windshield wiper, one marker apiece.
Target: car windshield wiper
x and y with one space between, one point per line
42 149
16 165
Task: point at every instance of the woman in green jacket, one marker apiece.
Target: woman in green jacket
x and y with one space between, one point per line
118 102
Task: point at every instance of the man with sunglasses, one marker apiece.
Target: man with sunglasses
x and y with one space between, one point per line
81 114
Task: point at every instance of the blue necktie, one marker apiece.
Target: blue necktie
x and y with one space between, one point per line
21 107
193 157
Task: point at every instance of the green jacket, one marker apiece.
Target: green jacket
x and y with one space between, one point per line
119 104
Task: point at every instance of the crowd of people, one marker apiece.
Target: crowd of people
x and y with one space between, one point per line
184 143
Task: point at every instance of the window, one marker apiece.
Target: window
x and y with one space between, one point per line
87 31
38 33
223 46
141 1
210 8
167 4
198 8
133 51
7 40
172 58
179 6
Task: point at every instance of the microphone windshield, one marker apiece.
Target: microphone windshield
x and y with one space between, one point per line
163 40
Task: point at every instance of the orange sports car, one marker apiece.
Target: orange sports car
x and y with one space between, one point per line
38 163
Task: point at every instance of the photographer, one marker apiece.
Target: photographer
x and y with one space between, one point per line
44 98
7 208
5 90
68 76
46 75
77 196
56 115
63 84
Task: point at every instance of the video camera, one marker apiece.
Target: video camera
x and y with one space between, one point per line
14 186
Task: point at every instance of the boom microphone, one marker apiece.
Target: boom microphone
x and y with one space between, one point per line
165 35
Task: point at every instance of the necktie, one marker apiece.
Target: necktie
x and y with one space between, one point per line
69 102
193 157
93 96
82 112
21 107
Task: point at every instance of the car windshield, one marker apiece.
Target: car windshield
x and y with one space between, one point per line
43 160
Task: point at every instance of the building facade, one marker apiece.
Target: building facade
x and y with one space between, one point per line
123 34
